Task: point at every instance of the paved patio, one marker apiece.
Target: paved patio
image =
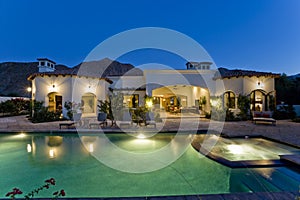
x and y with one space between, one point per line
284 131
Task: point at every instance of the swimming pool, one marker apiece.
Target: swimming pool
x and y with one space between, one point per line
28 159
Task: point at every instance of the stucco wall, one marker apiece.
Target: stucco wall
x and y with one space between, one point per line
159 78
234 84
245 85
70 88
127 82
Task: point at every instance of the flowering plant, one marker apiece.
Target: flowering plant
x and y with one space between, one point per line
48 183
13 193
72 108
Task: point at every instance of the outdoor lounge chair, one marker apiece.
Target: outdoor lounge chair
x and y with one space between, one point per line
101 120
76 120
264 116
150 119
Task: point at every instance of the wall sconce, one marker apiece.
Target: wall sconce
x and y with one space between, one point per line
53 88
260 84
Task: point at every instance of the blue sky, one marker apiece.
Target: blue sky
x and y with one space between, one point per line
259 35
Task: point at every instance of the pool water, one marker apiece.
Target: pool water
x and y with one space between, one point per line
27 160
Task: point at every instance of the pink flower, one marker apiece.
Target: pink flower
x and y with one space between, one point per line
14 192
50 181
62 193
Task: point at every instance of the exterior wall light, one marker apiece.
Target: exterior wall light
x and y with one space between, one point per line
53 88
260 84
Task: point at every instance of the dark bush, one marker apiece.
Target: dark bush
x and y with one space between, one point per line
42 114
284 112
296 120
13 107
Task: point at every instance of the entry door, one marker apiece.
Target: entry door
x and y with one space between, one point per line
58 102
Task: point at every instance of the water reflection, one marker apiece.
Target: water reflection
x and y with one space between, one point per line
29 148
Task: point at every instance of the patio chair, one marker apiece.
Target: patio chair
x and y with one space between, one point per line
76 120
150 119
101 120
263 116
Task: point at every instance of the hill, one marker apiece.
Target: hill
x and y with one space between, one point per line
13 75
297 76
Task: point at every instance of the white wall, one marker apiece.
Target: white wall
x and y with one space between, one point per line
251 83
127 82
71 88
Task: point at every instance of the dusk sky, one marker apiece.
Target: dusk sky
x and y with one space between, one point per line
261 35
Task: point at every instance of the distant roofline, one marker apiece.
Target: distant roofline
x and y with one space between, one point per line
42 74
46 59
204 62
231 73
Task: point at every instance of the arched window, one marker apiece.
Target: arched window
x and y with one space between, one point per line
229 99
88 103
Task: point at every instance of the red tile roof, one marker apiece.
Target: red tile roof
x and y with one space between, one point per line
228 73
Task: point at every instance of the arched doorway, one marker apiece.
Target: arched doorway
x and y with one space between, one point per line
88 103
258 100
54 102
229 100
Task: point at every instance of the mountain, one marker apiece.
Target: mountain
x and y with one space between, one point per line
13 75
297 76
106 67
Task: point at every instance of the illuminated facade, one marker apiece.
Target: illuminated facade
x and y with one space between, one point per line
187 90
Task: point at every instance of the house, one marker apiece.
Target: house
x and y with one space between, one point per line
171 90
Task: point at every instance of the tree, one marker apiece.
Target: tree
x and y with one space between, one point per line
244 106
287 90
112 107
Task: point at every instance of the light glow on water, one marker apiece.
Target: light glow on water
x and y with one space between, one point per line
235 149
21 135
141 136
51 153
91 148
29 149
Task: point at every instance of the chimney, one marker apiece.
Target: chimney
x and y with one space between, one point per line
46 65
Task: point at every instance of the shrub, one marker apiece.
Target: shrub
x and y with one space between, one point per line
284 112
17 106
244 106
72 108
42 113
230 116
